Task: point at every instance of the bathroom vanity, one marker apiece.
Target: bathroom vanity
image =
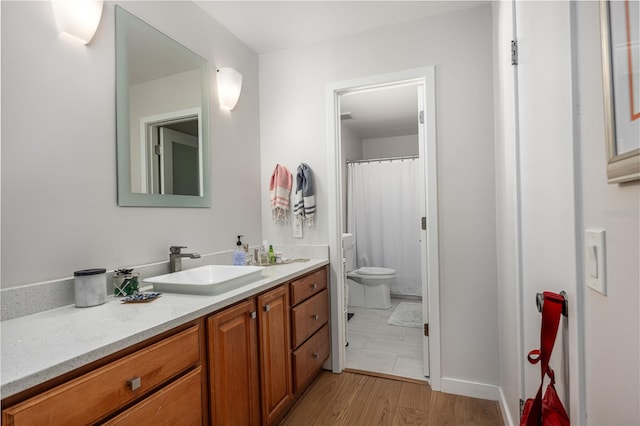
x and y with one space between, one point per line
242 357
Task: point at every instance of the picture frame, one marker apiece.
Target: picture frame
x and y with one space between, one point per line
620 35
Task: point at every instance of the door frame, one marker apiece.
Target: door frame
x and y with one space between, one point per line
146 142
426 77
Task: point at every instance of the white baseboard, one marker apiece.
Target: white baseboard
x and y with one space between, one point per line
472 389
504 409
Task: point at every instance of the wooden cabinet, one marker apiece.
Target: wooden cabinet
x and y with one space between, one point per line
233 365
261 353
275 354
250 350
310 328
105 391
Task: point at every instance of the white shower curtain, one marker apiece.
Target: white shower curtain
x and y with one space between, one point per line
384 215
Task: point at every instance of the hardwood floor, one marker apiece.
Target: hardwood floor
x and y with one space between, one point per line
355 399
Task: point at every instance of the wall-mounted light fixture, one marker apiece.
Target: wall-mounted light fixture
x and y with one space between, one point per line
78 18
229 87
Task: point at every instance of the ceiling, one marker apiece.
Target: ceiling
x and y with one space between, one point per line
269 26
381 113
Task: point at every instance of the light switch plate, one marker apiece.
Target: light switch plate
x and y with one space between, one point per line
595 260
297 227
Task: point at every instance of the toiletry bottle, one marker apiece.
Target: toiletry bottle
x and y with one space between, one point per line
264 253
272 255
239 255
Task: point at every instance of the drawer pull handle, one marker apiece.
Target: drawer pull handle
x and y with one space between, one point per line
315 317
267 308
315 355
314 285
134 383
252 315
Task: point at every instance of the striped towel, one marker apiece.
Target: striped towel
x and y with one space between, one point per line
279 190
304 206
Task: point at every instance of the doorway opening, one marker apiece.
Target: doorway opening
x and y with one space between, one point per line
385 122
170 151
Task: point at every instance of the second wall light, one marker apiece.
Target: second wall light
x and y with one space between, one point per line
78 18
229 87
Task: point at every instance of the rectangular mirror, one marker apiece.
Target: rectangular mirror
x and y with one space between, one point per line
162 119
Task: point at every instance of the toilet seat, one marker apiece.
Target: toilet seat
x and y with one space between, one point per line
374 270
372 273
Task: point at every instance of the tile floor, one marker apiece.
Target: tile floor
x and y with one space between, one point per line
377 346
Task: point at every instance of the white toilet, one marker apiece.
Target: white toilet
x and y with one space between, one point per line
368 286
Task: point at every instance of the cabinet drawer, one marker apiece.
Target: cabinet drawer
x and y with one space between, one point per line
308 359
308 317
308 285
94 395
179 403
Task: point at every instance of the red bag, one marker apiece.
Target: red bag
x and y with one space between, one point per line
547 410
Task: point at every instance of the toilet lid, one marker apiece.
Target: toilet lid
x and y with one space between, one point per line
372 270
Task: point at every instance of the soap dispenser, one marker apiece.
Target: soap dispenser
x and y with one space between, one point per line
239 255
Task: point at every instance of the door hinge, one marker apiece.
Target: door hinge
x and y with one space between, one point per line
158 149
514 52
426 330
521 406
421 117
424 223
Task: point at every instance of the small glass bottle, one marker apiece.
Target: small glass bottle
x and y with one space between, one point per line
272 255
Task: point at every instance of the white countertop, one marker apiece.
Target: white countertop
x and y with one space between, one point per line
39 347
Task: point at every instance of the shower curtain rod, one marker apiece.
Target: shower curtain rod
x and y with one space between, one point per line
377 160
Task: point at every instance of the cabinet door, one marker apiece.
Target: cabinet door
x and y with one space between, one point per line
275 355
233 366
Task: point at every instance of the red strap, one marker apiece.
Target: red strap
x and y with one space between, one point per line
551 311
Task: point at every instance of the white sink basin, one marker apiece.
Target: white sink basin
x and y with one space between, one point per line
211 279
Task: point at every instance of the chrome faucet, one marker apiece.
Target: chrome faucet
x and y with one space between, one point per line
175 258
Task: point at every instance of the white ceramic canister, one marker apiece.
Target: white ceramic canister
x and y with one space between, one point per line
90 287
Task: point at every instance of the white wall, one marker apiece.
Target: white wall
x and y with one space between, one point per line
612 322
397 146
547 175
59 208
611 376
293 130
506 211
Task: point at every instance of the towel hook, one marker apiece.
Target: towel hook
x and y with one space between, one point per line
565 304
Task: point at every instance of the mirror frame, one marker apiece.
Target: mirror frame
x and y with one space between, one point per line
127 198
621 166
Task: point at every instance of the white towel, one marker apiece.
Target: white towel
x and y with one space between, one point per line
279 190
304 206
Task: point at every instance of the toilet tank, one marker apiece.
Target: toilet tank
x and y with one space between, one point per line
349 251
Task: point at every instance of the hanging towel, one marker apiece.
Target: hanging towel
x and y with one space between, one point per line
279 190
304 207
